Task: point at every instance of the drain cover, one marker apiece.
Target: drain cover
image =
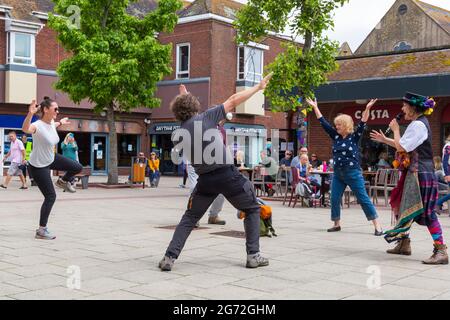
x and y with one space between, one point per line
232 233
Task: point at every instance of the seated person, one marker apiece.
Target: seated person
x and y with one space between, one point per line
383 161
153 165
439 173
270 171
304 169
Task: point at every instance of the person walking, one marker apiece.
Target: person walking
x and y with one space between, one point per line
16 155
347 168
43 158
414 198
217 174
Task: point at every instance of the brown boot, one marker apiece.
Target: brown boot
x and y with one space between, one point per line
403 247
215 220
439 256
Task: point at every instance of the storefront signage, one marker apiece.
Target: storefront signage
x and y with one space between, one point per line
379 115
163 128
166 128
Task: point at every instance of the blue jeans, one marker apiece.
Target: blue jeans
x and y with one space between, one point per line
154 176
442 199
352 177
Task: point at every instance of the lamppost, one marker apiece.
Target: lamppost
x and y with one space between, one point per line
147 122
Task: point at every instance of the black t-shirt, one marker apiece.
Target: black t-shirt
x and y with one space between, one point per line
204 148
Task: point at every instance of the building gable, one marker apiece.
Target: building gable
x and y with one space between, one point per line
406 25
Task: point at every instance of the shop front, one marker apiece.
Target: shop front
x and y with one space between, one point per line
380 117
92 139
250 139
161 143
9 123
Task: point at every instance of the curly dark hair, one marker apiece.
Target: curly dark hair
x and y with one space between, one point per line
184 106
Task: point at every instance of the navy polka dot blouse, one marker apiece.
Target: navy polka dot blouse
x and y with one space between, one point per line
345 151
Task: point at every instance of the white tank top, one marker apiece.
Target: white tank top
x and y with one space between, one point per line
44 140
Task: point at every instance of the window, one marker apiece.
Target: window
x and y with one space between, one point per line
250 64
127 147
21 48
401 46
183 60
402 9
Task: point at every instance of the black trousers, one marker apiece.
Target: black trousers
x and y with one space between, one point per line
237 189
44 181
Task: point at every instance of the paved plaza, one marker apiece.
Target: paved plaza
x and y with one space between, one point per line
109 243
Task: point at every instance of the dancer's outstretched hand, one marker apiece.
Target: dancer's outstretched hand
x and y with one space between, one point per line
371 103
183 89
64 121
312 103
377 136
264 82
33 108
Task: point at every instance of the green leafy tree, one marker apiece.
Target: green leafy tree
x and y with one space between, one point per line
116 59
299 69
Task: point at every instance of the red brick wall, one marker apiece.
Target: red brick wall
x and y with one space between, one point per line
2 42
49 51
198 34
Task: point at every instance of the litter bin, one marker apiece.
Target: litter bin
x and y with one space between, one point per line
138 173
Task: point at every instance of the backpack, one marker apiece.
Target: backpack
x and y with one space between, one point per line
302 189
265 220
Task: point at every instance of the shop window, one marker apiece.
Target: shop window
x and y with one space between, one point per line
127 147
370 150
21 48
183 63
250 64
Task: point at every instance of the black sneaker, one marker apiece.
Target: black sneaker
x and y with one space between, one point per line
334 229
166 263
378 233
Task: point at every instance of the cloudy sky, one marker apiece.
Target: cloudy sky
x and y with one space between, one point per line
356 19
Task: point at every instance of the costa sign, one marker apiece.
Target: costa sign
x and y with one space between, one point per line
378 115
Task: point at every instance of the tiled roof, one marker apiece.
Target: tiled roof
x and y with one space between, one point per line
224 8
440 15
22 8
392 65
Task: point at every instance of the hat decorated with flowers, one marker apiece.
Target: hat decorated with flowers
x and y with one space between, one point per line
421 103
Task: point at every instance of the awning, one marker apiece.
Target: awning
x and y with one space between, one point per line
163 127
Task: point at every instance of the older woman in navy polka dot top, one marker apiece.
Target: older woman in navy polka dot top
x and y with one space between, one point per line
347 169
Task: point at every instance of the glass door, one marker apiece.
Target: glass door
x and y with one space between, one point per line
100 153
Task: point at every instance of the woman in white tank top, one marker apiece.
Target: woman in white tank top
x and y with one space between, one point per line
43 158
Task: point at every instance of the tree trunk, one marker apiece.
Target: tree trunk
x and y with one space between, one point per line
113 174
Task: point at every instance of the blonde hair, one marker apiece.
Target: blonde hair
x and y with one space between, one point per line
346 121
66 139
437 163
303 156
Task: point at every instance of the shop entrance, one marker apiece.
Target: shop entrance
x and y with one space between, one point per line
99 151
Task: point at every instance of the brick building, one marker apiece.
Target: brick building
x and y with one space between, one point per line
213 67
205 58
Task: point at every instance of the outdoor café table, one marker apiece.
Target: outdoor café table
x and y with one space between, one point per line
246 171
322 183
369 176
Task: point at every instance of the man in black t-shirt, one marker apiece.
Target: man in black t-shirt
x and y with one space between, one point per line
201 143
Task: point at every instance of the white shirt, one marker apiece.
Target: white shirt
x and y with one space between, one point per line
414 136
44 140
